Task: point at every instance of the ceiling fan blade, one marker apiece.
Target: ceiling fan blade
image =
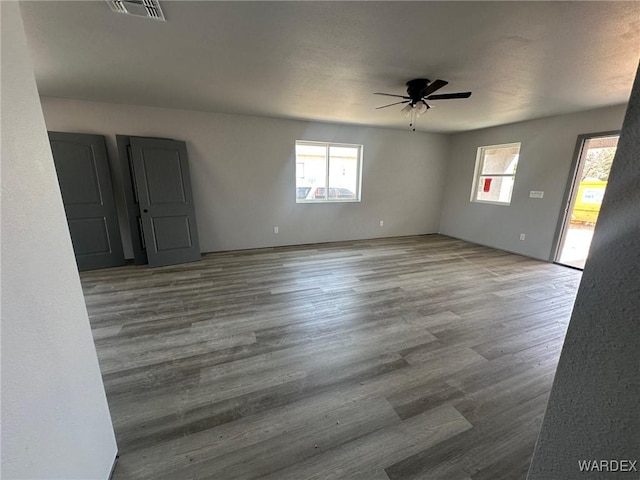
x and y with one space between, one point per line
392 95
392 104
432 87
446 96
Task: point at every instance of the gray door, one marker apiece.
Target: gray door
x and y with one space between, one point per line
161 173
85 182
131 200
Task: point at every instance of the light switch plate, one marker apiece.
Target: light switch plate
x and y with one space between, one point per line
536 194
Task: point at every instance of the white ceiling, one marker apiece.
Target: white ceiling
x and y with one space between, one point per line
323 60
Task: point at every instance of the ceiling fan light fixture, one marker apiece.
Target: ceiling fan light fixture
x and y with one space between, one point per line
407 109
421 108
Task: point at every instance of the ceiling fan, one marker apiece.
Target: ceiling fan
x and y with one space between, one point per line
418 92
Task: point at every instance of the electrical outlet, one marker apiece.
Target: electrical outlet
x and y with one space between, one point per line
522 236
276 230
382 223
536 194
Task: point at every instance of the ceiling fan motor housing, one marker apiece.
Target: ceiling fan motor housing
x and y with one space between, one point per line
415 89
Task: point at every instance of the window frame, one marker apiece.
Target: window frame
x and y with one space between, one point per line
328 145
477 174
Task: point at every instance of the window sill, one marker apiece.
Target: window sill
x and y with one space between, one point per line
327 201
487 202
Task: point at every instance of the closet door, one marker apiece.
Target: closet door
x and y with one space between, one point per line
131 200
87 193
161 172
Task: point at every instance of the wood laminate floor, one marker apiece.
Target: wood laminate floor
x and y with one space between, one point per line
407 358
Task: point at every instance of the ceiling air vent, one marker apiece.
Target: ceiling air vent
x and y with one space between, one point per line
138 8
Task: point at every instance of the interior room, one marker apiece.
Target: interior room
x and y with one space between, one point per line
312 240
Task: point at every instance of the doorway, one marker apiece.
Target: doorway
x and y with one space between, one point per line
594 156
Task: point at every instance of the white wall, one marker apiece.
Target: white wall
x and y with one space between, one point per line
243 173
55 419
545 161
593 407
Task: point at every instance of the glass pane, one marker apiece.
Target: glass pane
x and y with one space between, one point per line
495 189
500 160
598 157
343 173
311 172
309 149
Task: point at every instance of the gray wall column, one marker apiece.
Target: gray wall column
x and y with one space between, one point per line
593 408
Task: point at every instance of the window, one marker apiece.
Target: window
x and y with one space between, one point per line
495 173
328 172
